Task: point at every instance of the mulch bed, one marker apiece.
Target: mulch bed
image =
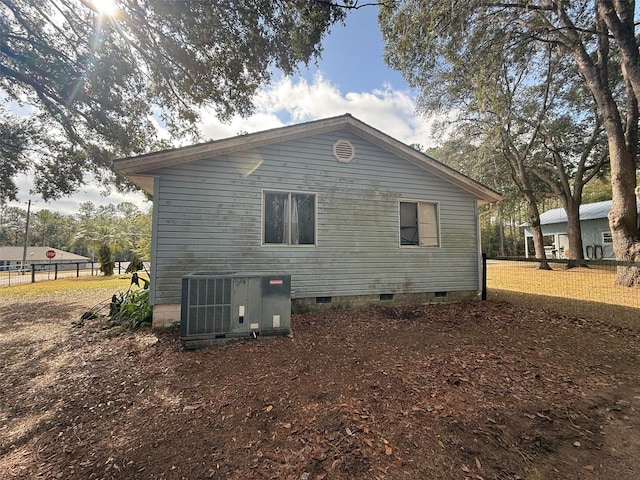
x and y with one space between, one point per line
461 391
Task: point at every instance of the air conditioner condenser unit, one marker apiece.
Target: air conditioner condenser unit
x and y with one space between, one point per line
219 307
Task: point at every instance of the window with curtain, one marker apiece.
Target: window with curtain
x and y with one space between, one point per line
419 224
289 218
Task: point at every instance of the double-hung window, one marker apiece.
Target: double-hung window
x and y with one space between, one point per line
419 224
289 218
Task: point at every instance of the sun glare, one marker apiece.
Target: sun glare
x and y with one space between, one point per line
106 7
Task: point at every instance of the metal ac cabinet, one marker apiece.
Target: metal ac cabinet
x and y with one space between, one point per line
276 303
220 307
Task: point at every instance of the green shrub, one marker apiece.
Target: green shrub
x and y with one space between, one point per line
132 309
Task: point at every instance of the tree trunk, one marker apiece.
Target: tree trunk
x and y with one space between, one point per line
574 232
594 70
514 236
536 230
501 233
623 217
623 214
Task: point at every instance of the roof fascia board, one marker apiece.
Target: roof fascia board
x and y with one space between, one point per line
153 161
384 141
166 158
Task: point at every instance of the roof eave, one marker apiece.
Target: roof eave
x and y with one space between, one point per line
145 182
482 193
192 153
137 169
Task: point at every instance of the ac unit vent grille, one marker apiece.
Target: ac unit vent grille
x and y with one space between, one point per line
343 151
209 307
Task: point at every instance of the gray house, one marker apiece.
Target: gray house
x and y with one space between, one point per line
11 258
353 215
594 226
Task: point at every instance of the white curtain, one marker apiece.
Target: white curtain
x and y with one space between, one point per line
295 221
428 224
285 219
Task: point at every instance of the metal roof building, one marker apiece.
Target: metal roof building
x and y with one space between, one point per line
596 234
588 211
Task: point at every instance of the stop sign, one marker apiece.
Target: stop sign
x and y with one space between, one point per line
51 254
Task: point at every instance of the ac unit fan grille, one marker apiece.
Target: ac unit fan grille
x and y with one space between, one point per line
209 310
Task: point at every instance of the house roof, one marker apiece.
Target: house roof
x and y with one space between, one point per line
140 169
39 254
588 211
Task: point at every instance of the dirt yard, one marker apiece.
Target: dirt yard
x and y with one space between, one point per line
465 391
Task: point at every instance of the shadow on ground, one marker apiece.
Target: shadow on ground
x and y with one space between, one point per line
598 311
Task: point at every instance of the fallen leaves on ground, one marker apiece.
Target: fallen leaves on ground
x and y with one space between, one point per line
467 390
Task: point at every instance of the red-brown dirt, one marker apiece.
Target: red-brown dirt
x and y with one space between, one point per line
463 391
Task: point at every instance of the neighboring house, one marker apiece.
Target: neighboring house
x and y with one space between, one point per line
594 226
353 215
11 258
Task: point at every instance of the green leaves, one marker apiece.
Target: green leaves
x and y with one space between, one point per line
14 141
93 83
131 309
506 76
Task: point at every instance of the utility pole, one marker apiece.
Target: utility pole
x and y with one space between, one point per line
26 238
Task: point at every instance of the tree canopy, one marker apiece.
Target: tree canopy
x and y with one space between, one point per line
79 87
454 51
122 228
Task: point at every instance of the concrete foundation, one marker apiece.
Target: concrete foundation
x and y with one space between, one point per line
315 304
168 315
165 316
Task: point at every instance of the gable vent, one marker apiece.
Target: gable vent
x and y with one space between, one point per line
343 151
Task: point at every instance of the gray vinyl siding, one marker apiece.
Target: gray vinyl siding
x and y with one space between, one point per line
592 235
208 217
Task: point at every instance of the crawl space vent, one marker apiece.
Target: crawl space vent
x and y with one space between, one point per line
343 151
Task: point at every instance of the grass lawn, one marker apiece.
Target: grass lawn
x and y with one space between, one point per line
587 292
114 282
65 284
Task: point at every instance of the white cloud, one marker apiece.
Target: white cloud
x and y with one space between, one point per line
291 101
286 102
212 129
70 205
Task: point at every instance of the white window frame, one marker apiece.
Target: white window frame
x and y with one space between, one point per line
436 205
607 238
289 244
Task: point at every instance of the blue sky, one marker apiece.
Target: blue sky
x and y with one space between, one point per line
350 78
352 58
